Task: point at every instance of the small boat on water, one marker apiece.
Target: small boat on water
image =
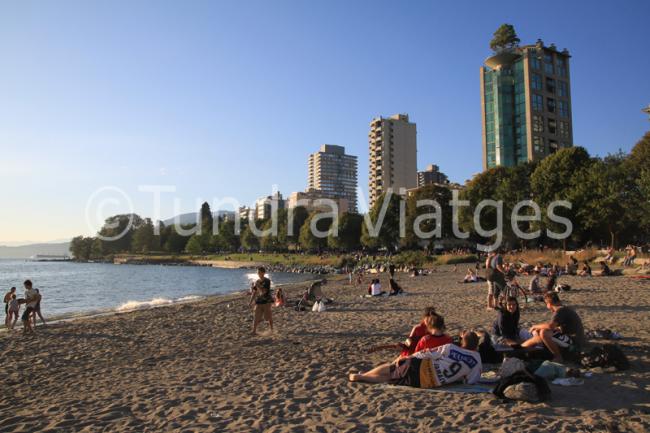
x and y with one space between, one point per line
49 258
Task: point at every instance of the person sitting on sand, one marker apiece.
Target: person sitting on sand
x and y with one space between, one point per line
430 368
505 329
12 311
262 298
395 289
7 298
470 276
604 270
564 329
408 346
280 300
585 271
375 288
534 286
435 336
31 299
551 281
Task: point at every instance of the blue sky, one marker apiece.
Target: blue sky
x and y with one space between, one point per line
229 98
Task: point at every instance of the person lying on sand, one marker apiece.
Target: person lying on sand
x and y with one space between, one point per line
430 368
564 330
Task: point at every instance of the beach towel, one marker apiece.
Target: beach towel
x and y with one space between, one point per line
460 388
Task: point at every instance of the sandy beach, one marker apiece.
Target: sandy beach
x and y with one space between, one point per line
194 367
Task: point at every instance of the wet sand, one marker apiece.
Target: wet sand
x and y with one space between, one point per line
195 367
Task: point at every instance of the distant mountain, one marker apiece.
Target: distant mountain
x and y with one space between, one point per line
26 251
191 218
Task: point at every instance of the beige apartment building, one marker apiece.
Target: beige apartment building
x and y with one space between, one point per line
526 104
393 155
333 174
312 201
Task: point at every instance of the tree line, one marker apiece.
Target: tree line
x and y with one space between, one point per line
609 196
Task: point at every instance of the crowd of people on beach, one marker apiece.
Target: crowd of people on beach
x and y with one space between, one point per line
431 358
32 300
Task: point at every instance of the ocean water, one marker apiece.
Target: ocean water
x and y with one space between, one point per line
71 289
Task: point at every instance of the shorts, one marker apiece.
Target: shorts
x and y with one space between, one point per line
263 311
413 372
494 288
28 311
562 340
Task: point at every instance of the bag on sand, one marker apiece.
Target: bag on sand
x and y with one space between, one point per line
608 355
522 386
319 307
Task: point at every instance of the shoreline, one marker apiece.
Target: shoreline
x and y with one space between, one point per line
91 314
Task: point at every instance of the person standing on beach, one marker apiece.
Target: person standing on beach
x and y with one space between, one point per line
7 299
495 276
31 299
37 308
262 298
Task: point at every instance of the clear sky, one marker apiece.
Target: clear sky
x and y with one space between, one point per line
228 98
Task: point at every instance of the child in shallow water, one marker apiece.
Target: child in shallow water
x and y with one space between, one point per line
13 309
280 300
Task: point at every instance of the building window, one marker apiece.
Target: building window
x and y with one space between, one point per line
562 88
552 146
538 102
564 129
561 67
564 109
550 85
550 105
538 123
548 68
534 62
548 58
538 143
536 82
551 126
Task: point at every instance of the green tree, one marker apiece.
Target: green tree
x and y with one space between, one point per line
557 178
606 199
349 233
206 218
97 249
117 232
384 232
308 239
81 247
195 244
441 196
639 172
229 239
249 240
175 243
504 37
144 240
300 215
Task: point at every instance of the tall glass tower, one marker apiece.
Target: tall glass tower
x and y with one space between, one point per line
525 104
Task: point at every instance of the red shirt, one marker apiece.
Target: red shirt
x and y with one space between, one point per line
432 341
417 333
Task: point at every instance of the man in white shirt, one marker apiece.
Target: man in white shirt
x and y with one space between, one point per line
31 299
431 368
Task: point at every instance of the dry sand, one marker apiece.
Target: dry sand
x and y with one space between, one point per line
194 367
